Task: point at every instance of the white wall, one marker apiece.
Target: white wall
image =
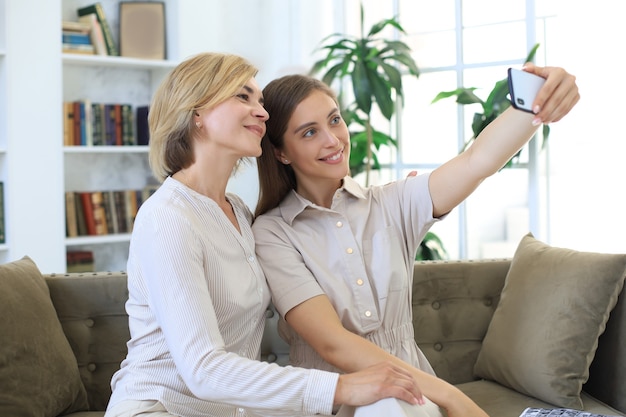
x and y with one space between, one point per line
587 162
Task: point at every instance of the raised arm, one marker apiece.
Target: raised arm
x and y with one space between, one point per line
317 322
455 180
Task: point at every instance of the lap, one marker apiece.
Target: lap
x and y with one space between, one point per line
137 409
391 407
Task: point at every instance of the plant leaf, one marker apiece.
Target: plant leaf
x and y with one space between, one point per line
382 94
361 87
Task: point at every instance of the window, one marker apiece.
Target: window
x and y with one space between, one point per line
466 43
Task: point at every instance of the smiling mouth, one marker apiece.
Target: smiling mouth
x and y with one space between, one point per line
256 129
334 157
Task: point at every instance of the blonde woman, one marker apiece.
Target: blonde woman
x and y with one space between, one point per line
197 295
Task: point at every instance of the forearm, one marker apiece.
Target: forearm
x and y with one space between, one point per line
454 181
343 355
498 142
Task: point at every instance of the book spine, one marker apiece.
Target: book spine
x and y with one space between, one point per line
76 123
71 223
99 213
119 131
81 222
109 124
76 38
96 120
90 221
104 24
128 123
109 201
141 123
120 211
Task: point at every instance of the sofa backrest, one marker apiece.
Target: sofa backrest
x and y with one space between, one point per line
453 302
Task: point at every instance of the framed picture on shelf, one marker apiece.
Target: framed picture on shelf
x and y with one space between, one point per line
142 29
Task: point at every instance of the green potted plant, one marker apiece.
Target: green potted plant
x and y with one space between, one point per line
496 103
373 66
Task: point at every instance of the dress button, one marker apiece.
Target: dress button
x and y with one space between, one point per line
338 224
349 251
359 282
250 258
368 313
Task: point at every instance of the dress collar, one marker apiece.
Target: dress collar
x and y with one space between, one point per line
294 204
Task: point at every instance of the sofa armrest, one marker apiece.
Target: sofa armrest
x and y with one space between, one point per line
453 302
91 309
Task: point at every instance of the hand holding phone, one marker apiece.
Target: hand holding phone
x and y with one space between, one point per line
523 88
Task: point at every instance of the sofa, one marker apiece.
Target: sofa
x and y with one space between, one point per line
459 308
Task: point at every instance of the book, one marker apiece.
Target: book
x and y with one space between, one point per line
70 48
68 123
141 123
97 129
73 26
128 125
87 210
71 221
2 220
120 211
81 222
99 213
95 33
76 38
117 115
79 261
560 412
98 10
111 212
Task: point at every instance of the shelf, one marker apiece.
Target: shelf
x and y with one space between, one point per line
97 240
104 149
116 62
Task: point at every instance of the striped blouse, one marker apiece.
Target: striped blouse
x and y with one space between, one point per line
197 301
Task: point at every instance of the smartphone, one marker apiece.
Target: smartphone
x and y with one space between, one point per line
523 88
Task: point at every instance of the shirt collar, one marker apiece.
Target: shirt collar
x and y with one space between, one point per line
294 204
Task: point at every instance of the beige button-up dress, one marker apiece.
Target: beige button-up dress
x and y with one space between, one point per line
360 253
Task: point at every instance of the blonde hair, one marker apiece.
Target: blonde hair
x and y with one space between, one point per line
200 82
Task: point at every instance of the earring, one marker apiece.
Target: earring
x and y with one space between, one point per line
286 161
198 125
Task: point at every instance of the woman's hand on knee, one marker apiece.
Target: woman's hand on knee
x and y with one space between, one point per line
383 380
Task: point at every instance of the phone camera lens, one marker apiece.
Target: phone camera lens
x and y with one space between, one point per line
520 101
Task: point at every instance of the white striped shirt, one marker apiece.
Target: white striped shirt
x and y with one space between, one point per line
197 301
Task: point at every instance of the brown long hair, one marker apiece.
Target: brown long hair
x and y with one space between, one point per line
281 97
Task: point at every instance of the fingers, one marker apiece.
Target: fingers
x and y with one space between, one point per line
558 95
380 381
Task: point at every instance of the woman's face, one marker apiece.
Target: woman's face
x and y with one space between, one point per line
317 141
237 124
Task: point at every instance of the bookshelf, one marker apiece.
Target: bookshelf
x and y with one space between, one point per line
35 168
107 79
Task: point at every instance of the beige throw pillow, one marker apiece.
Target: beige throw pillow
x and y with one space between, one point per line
544 333
38 371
